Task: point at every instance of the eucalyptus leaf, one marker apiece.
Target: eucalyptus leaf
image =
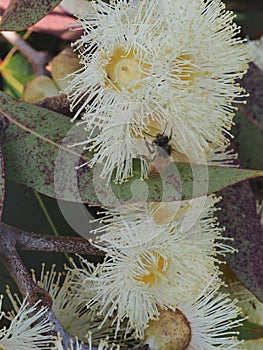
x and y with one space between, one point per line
16 72
36 147
21 14
2 182
248 130
253 82
238 214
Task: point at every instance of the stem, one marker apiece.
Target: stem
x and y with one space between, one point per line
12 238
31 241
18 271
14 264
38 59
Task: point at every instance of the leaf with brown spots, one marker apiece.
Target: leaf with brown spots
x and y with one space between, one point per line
2 182
238 214
35 145
21 14
253 109
248 130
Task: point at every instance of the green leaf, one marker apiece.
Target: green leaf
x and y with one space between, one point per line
250 330
16 72
21 14
35 145
2 182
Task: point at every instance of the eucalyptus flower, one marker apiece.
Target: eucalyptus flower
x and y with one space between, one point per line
76 345
70 292
29 329
152 263
174 62
208 323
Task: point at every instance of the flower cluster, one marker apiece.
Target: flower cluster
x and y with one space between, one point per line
159 79
170 65
153 265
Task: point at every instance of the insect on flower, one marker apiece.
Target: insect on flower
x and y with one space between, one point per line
162 150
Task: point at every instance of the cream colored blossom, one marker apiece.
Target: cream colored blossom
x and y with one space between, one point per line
29 329
174 62
76 345
70 291
151 263
174 217
209 323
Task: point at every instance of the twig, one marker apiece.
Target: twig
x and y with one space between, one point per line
38 59
37 242
13 239
15 265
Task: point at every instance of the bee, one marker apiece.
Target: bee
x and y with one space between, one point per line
161 150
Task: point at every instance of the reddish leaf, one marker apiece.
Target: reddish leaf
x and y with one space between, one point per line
253 82
240 218
2 182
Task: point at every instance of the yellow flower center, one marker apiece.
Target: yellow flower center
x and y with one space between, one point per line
124 70
156 266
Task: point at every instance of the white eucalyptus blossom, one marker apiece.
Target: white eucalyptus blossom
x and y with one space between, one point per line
212 320
29 329
174 62
76 345
70 292
152 263
169 216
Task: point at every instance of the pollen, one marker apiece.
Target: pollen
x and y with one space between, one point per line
156 268
124 70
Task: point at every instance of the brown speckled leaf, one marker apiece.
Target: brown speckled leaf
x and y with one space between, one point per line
240 218
253 109
238 213
2 182
249 126
21 14
35 156
56 23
